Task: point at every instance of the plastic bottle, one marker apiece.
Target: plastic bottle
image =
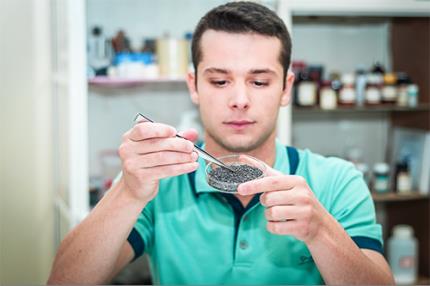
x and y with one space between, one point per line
403 254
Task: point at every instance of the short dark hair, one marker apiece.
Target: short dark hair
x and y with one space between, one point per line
243 17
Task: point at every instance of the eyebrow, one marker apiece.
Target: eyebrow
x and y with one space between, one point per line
216 70
260 71
225 71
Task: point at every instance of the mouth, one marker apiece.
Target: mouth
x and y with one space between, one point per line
239 124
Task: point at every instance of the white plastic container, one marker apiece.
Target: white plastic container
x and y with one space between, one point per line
403 254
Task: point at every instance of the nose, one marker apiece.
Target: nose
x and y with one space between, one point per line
239 99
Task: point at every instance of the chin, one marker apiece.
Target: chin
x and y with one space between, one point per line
239 145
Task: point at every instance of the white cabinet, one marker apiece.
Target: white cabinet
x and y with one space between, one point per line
69 113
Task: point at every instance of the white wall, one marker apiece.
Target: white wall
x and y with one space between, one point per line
342 47
337 134
147 18
26 212
111 113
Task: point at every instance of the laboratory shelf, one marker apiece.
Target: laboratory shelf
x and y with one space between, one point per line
396 197
118 82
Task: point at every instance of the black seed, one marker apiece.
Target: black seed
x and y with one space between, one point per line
226 180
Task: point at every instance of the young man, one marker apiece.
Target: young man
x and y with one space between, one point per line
311 220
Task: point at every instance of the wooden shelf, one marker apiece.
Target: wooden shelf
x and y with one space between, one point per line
117 82
395 197
355 109
423 281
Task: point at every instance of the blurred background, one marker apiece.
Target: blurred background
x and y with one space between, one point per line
73 74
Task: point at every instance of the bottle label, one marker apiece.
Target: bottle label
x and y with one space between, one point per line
406 262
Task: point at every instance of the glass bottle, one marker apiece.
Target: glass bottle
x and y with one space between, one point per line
328 97
306 91
347 94
389 91
373 89
403 81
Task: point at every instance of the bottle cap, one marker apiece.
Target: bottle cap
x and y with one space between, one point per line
375 79
348 78
381 168
390 78
403 231
412 88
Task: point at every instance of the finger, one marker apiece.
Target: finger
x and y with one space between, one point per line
276 198
291 227
162 144
165 158
269 184
146 130
161 172
283 213
190 134
272 172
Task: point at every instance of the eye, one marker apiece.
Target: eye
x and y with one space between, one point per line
259 83
219 83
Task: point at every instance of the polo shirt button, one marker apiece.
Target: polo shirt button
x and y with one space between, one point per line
245 218
243 244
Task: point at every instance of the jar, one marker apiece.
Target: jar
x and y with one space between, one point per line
373 89
389 91
381 180
307 92
412 92
403 254
328 98
347 95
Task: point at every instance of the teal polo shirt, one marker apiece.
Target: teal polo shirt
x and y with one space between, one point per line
194 234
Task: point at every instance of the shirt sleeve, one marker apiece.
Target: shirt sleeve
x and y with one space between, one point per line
352 206
141 235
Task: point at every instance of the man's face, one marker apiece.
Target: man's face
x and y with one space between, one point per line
239 88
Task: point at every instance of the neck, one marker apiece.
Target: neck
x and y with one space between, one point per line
266 152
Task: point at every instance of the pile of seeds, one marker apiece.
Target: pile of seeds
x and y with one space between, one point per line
226 180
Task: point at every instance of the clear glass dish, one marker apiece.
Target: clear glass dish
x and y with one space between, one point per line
230 185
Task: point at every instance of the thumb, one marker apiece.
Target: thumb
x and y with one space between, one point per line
190 134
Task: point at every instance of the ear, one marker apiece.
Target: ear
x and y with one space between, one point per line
192 88
286 93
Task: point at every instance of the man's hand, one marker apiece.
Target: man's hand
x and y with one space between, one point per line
291 207
150 152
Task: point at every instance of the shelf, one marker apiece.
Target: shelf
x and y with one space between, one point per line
117 82
394 197
356 109
423 281
360 8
